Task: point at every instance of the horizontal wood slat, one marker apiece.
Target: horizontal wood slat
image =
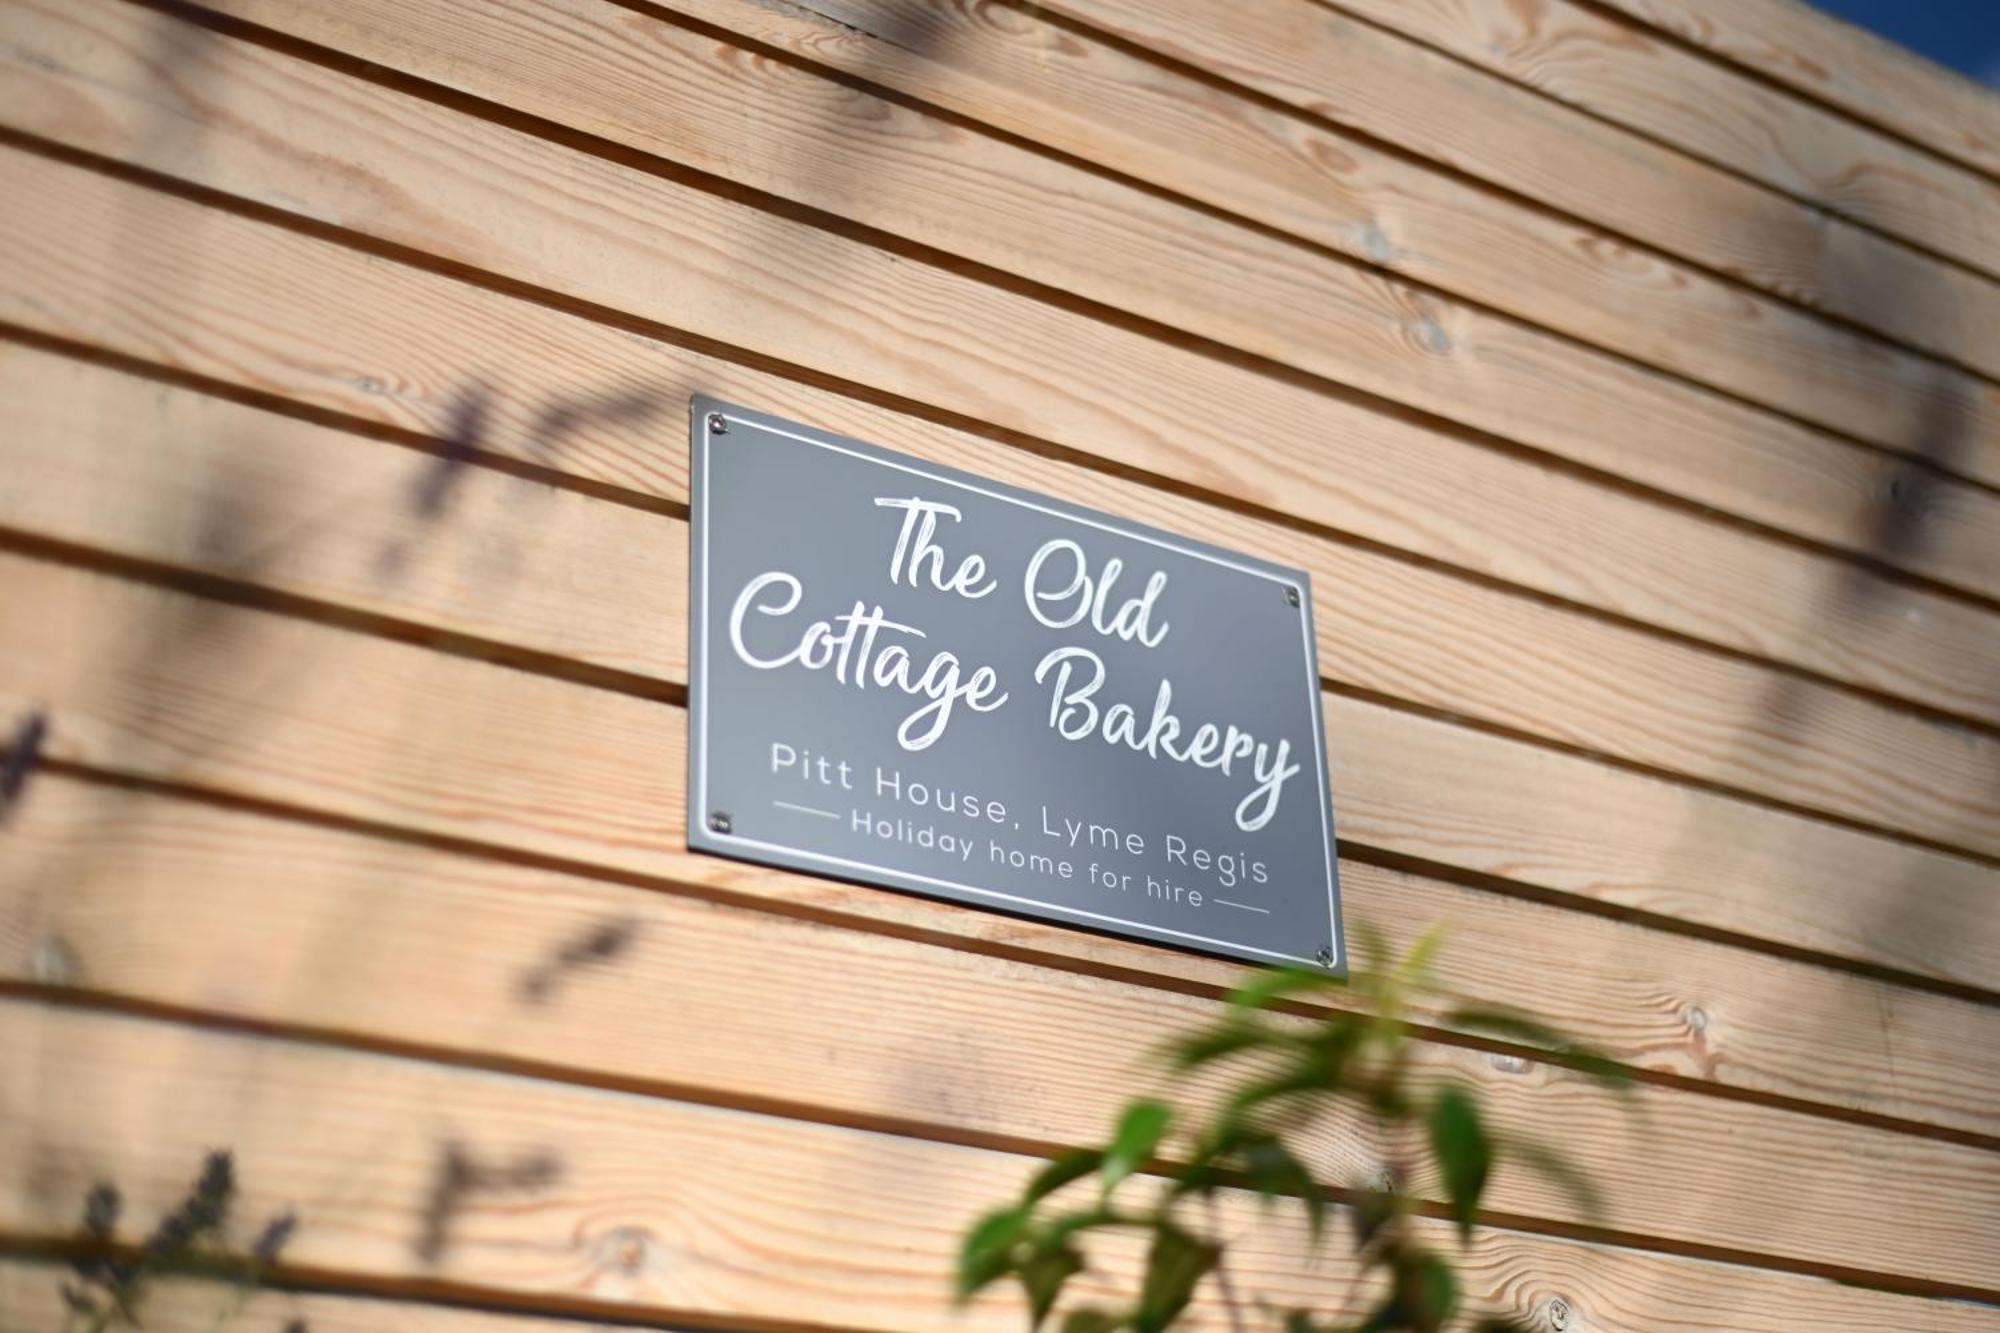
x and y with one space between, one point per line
1629 76
344 364
668 91
173 477
881 1031
169 688
1624 1290
1865 75
1067 88
1357 76
665 1207
30 1292
30 1297
756 280
151 897
569 392
292 711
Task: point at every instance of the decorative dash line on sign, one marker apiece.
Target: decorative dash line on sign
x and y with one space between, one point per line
1224 902
806 810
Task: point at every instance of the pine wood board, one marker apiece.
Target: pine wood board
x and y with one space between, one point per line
1544 818
1626 75
169 689
396 736
1077 93
1361 78
152 897
1835 63
772 126
168 475
662 1208
591 230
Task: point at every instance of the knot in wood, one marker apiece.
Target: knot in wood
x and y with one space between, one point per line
626 1250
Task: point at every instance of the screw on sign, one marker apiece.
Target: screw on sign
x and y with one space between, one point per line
718 424
720 822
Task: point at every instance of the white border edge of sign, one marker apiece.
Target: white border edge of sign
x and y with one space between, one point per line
702 409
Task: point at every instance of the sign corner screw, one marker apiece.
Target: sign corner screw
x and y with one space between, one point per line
1291 595
1325 955
719 822
718 424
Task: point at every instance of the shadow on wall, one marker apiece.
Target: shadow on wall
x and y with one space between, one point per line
146 682
1860 602
149 668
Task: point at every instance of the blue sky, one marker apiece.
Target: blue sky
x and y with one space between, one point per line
1964 34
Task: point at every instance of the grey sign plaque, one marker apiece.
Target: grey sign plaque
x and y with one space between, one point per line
911 676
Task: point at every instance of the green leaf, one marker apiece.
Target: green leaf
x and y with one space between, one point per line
1234 1119
1569 1178
987 1253
1373 1210
1092 1321
1274 1170
1506 1023
1198 1178
1042 1277
1275 983
1517 1027
1138 1134
1414 971
1423 1296
1432 1295
1069 1225
1061 1170
1321 1067
1366 941
1464 1152
1219 1042
1175 1264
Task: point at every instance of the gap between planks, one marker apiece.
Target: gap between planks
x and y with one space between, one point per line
62 1001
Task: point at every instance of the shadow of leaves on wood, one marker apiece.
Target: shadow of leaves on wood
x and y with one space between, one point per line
460 1179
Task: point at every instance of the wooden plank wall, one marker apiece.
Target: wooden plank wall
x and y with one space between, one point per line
1623 372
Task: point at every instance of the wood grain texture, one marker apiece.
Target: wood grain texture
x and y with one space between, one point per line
889 1027
1694 855
153 898
1623 1288
1627 75
170 476
30 1298
1066 87
662 89
664 1208
288 710
158 473
412 173
1359 77
1867 76
169 688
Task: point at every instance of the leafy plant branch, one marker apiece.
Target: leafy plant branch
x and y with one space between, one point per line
1283 1079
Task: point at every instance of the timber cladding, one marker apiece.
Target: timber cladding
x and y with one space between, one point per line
1623 373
